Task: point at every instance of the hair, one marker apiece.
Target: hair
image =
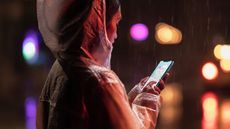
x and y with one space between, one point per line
112 6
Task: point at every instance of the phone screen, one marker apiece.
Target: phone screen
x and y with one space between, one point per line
162 68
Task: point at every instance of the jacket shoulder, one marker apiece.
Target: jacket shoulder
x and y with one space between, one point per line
56 77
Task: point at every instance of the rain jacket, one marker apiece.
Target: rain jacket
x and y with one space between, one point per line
81 91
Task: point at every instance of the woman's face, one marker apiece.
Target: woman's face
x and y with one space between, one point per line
112 27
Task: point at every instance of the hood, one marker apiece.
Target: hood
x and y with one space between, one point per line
68 25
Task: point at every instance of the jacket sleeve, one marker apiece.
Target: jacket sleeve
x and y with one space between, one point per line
145 105
108 107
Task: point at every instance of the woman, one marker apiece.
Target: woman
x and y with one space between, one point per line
81 91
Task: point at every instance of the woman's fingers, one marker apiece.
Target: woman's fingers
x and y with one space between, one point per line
156 88
161 85
144 80
151 88
165 78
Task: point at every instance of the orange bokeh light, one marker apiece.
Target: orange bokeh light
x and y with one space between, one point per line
167 34
217 51
225 65
225 112
225 52
209 71
210 111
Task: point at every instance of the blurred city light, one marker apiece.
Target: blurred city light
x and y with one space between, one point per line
30 48
225 65
209 71
217 50
225 114
172 94
172 107
210 111
139 32
166 34
30 113
209 125
225 52
210 106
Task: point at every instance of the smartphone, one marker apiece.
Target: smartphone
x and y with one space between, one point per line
160 71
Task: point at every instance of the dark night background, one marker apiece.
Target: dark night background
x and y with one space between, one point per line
203 23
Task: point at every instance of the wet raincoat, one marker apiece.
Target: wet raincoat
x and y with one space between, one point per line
81 91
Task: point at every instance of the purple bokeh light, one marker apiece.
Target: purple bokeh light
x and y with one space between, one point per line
30 113
30 47
139 32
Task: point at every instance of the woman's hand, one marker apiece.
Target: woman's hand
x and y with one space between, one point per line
149 88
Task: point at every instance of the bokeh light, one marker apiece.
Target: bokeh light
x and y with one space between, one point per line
172 94
225 114
166 34
210 107
209 71
171 110
217 50
225 65
139 32
30 113
225 52
210 111
225 111
30 50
